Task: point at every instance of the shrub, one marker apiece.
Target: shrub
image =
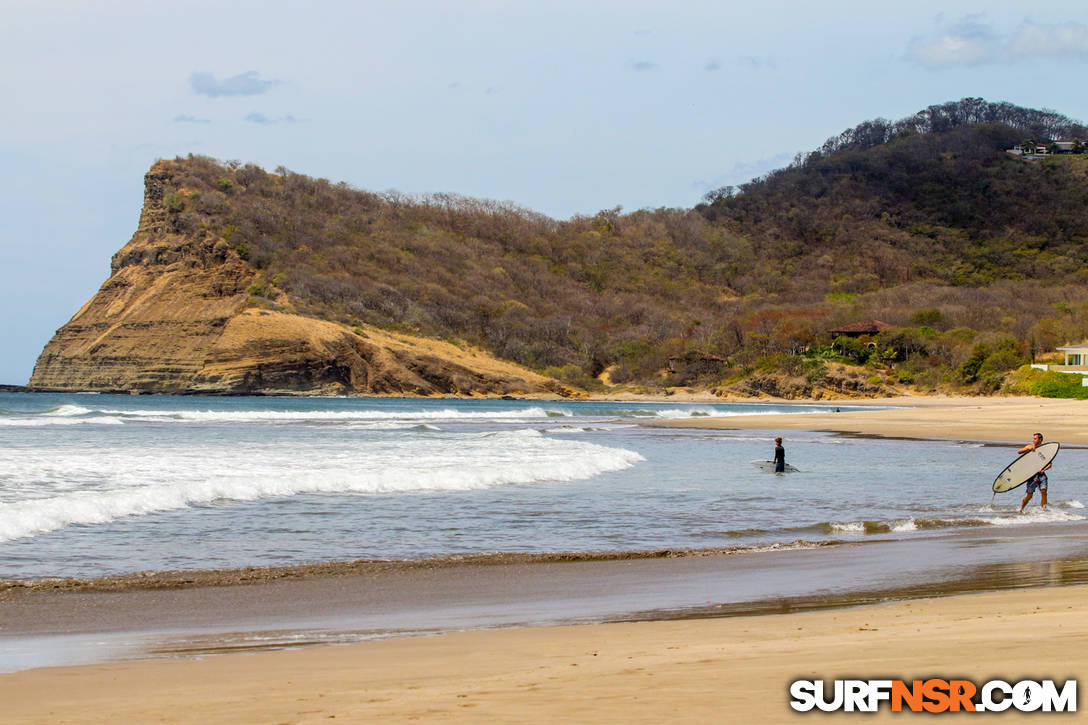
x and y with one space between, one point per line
1046 384
175 203
930 317
968 371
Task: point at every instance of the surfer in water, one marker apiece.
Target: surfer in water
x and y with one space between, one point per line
780 459
1038 481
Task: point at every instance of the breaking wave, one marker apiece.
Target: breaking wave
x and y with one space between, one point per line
1003 517
115 485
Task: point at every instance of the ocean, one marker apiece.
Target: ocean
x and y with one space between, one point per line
93 485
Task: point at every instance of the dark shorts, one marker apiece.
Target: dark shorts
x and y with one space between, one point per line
1038 481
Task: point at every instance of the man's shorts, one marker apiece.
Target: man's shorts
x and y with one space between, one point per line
1038 481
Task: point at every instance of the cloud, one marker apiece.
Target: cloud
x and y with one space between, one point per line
971 42
759 63
263 120
244 84
186 118
1068 40
749 61
743 172
644 65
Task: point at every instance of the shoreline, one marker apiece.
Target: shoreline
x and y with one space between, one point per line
695 670
992 419
985 420
144 616
256 575
670 395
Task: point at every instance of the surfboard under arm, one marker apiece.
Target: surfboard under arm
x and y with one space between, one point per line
1023 468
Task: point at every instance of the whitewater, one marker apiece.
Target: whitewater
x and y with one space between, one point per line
105 484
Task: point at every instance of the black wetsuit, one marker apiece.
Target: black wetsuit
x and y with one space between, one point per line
779 459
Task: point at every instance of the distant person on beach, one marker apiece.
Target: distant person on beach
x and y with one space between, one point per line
780 459
1038 481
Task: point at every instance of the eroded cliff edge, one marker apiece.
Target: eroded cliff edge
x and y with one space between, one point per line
175 316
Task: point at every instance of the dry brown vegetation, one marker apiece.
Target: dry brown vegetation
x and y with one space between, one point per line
976 257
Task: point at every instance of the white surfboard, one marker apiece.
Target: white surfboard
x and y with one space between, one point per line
1026 466
768 467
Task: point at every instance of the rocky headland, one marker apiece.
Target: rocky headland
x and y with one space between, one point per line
177 315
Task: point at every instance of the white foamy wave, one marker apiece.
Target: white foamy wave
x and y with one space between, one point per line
1035 516
61 415
334 416
991 516
391 425
42 421
710 412
69 410
584 428
1073 504
118 485
798 545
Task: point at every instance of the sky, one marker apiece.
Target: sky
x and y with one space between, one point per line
565 108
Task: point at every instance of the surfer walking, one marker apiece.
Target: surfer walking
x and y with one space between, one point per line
780 459
1038 481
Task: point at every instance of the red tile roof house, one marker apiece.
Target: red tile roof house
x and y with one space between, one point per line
857 329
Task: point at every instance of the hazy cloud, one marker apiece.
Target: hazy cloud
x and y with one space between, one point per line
244 84
743 172
712 65
1068 40
186 118
759 63
263 120
971 42
644 65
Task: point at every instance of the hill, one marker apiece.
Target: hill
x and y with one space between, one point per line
179 315
976 258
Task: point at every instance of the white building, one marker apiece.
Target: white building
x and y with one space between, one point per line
1076 362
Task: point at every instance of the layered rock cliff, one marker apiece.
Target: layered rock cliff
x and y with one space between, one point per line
177 315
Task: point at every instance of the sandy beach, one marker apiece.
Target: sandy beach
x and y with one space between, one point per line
698 671
677 666
1007 420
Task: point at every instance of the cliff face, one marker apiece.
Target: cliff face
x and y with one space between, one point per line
174 317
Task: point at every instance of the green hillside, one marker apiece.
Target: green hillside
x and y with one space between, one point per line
976 257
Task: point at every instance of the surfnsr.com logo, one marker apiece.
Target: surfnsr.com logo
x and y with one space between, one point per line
933 695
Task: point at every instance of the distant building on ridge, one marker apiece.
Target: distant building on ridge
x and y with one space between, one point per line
857 329
1030 148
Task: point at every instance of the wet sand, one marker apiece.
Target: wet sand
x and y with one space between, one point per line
704 670
1007 420
64 622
